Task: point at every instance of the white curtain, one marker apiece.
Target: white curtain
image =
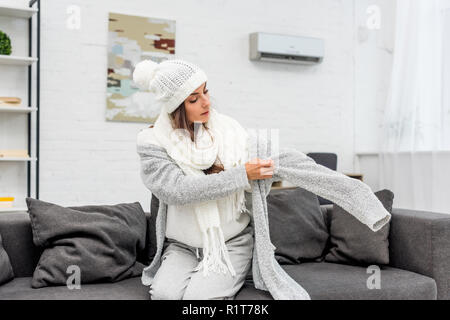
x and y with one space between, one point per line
414 151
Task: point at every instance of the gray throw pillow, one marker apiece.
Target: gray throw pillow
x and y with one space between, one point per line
297 226
100 241
6 270
352 242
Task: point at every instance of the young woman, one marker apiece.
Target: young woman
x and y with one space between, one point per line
197 163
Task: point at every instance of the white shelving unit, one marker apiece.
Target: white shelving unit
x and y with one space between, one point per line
24 61
17 12
17 159
16 60
17 109
13 209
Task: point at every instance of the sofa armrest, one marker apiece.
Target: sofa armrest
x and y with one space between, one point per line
419 241
15 228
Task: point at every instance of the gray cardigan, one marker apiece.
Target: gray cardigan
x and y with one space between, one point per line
165 179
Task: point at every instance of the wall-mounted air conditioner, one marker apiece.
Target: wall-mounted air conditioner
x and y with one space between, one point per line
286 48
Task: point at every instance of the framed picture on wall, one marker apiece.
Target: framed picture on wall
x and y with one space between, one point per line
132 39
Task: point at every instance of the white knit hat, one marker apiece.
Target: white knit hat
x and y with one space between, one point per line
172 80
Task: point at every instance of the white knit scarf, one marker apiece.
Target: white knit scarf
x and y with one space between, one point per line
227 140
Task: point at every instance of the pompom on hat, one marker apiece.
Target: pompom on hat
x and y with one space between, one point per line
172 80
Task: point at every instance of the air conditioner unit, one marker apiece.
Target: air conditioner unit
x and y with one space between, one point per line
285 48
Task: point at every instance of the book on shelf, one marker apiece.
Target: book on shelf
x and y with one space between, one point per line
10 101
20 153
6 202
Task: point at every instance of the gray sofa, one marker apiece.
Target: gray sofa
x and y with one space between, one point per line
419 266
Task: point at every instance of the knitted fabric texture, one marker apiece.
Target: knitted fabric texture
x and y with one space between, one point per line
172 80
225 140
162 176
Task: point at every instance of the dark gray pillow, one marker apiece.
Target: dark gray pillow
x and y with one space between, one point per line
296 225
101 240
6 270
352 242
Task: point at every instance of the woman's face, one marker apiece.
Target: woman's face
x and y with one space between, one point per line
197 104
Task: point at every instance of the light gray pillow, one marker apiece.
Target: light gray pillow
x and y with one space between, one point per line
297 226
352 242
101 241
6 270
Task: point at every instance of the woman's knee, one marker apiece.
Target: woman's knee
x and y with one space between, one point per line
217 288
160 291
174 273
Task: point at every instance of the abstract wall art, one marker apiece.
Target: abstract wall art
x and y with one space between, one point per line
132 39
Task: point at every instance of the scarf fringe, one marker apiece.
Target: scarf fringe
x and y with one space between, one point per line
242 208
235 211
214 250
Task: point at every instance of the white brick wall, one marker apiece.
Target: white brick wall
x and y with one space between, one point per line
87 160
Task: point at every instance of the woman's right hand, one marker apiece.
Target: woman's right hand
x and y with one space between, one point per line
259 169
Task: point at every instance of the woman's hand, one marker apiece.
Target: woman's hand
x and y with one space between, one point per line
259 169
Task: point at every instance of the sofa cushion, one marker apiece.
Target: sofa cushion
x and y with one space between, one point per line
6 270
127 289
98 243
296 224
352 242
334 281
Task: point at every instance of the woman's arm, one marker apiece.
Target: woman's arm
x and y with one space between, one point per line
351 194
163 177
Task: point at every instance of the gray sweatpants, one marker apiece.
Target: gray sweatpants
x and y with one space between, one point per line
176 280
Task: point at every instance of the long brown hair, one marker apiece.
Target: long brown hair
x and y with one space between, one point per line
180 121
